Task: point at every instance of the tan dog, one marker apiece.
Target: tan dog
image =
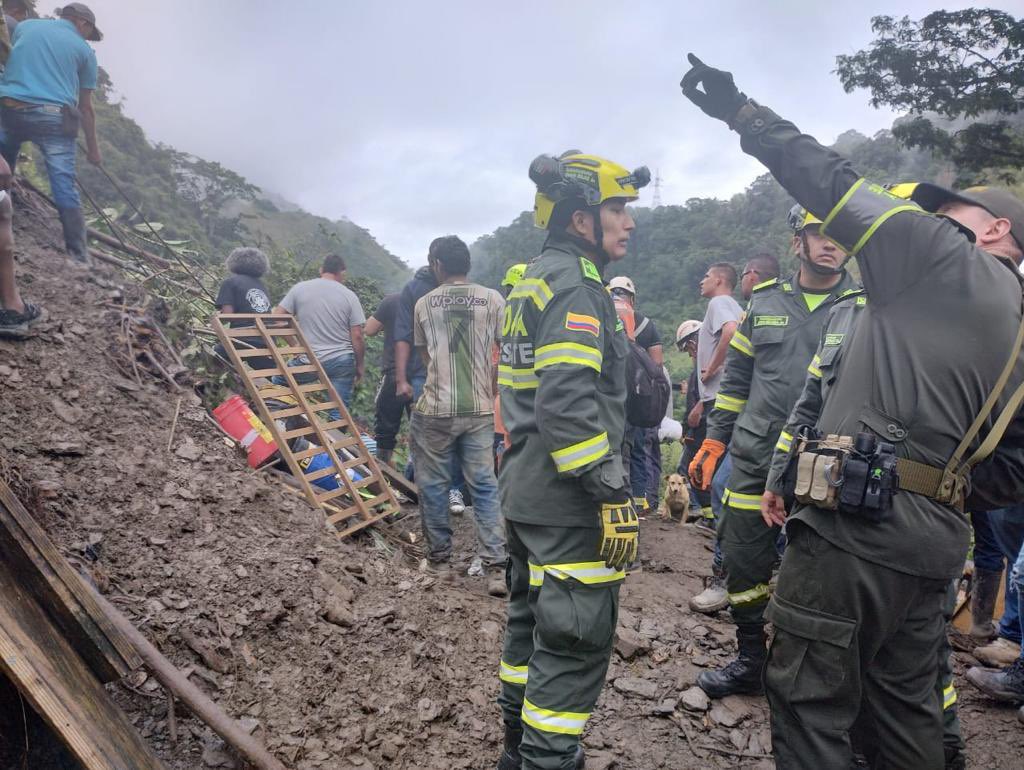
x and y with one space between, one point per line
676 502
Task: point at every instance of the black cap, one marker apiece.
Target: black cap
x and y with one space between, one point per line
997 201
82 11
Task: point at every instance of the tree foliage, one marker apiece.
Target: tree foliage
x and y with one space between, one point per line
961 76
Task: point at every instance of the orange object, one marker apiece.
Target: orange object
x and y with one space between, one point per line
239 422
702 468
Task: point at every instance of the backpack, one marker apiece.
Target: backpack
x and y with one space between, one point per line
647 389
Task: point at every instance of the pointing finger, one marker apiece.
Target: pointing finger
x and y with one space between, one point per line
694 61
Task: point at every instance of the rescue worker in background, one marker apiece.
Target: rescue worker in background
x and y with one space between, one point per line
821 376
858 609
764 373
570 521
715 597
501 439
637 450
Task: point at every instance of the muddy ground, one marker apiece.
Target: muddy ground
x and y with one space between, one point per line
336 654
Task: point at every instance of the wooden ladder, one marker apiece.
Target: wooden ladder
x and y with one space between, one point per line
345 508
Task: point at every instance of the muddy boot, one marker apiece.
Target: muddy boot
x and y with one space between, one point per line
955 759
510 759
743 675
73 223
1006 685
984 590
714 598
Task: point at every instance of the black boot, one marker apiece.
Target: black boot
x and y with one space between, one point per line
510 759
73 223
743 675
1006 685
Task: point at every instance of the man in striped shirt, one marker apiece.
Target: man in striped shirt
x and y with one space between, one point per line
455 329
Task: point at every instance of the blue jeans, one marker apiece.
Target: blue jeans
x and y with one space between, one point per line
341 371
437 442
1017 579
458 482
999 536
43 126
717 492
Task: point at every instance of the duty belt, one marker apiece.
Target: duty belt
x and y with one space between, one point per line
942 485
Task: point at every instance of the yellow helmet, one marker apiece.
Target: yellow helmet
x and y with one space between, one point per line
800 218
585 180
514 275
902 189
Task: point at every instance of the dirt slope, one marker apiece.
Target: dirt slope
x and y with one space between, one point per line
204 555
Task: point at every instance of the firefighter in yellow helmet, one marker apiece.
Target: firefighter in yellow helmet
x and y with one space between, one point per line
570 521
512 276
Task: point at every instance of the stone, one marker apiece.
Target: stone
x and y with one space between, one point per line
629 644
721 714
665 707
632 685
627 619
694 699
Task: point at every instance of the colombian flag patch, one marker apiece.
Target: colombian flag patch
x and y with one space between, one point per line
577 322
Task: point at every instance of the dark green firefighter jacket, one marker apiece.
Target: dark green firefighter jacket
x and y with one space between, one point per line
562 375
765 369
938 328
821 376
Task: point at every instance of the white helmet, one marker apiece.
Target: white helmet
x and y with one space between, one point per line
686 329
622 282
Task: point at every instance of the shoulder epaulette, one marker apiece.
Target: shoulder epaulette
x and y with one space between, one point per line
765 284
861 297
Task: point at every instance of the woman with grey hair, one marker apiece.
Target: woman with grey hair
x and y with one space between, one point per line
243 292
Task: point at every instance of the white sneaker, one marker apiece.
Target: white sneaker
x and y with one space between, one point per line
456 505
476 567
714 598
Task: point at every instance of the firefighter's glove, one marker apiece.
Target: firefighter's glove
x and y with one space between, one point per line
620 532
702 467
720 97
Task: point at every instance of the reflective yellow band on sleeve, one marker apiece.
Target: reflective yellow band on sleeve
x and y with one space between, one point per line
813 369
547 721
588 572
730 403
785 442
512 674
759 593
741 501
860 212
533 289
948 697
572 353
583 453
517 379
742 343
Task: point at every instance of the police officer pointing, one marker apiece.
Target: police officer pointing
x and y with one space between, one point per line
858 606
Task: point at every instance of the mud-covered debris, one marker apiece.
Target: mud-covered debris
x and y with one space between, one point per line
629 644
694 699
632 685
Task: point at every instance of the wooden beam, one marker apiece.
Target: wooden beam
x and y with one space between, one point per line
61 591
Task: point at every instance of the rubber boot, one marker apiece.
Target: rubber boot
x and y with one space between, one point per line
743 675
384 455
984 591
73 223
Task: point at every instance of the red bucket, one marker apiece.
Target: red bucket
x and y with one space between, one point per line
239 422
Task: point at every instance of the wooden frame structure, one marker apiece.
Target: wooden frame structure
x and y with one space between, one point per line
344 507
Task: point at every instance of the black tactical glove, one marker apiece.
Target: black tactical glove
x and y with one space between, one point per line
720 97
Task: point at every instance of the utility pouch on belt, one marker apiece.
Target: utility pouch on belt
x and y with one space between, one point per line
855 476
71 119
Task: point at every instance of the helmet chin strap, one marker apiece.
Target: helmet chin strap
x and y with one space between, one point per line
814 267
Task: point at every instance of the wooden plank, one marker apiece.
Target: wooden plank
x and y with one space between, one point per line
60 590
405 486
302 369
44 666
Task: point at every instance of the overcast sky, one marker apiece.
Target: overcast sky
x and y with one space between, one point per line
415 119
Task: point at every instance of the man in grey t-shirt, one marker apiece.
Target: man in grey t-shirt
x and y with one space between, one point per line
720 322
332 319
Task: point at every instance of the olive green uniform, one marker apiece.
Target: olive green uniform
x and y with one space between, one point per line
821 375
764 372
858 610
563 394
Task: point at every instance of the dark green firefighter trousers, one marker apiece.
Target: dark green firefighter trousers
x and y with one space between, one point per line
562 611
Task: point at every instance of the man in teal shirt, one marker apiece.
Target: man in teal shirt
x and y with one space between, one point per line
45 93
